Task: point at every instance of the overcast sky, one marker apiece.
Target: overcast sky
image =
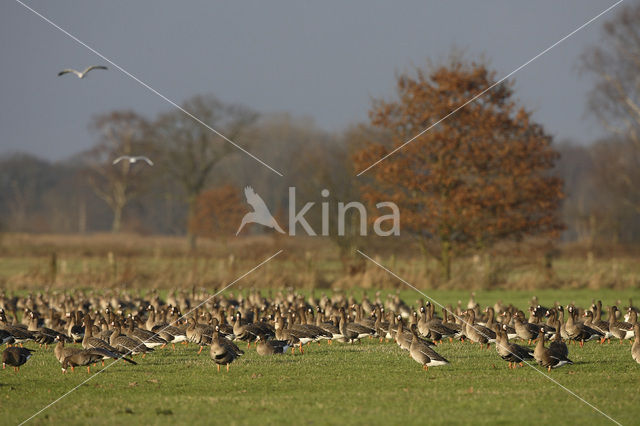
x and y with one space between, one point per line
322 59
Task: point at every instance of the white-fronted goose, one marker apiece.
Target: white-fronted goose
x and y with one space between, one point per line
220 352
43 335
126 345
547 358
557 345
635 348
91 356
423 354
477 333
525 330
266 346
15 357
578 331
620 329
146 337
514 354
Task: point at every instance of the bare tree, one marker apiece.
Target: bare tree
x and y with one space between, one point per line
615 100
120 133
191 151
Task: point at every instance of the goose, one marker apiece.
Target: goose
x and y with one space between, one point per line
132 159
246 332
6 337
90 342
126 345
91 356
61 352
15 357
546 357
477 333
577 331
221 352
525 330
168 332
423 354
148 338
514 354
82 74
285 334
74 329
619 329
199 334
557 345
43 335
635 348
265 346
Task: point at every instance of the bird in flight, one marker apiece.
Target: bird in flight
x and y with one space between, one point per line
83 73
260 213
133 159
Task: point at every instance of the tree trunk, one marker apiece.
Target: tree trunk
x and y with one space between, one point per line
117 219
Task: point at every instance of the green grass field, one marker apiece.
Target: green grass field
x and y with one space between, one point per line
367 383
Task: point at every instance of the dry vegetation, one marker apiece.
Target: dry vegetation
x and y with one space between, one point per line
132 261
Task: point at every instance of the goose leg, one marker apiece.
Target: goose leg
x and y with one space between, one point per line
227 368
88 369
218 368
200 350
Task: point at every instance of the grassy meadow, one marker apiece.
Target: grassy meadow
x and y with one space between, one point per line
366 383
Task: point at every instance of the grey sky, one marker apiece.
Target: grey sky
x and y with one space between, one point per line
319 59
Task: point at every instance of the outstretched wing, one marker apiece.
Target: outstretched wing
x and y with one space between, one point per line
255 201
94 67
148 161
119 159
67 71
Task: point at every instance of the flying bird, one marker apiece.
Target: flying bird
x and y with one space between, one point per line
133 159
83 73
260 213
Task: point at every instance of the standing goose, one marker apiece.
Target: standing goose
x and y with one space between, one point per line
126 345
423 354
265 346
635 348
514 354
525 330
199 334
547 358
220 352
619 329
577 331
477 333
557 345
15 357
43 335
146 337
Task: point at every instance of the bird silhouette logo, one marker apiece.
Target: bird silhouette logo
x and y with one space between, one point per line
260 213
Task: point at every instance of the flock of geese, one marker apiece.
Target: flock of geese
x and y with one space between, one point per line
121 325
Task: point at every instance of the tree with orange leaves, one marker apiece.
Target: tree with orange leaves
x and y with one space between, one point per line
218 212
477 177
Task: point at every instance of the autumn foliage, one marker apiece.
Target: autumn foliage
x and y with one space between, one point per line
479 176
218 212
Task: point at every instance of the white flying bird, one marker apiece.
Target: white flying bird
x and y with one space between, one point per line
133 159
83 73
260 213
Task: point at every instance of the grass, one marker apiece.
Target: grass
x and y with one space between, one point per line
367 383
